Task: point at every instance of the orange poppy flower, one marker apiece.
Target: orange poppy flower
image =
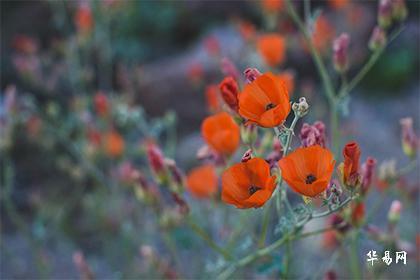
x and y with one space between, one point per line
202 181
212 98
265 101
114 144
351 153
272 5
308 170
221 133
338 4
272 48
289 79
83 18
248 184
323 34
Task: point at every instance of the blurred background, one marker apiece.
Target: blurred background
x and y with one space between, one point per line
86 84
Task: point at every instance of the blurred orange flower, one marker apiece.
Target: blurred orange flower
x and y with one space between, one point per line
289 79
338 4
308 170
351 153
248 184
357 213
323 34
272 48
272 5
247 30
212 98
83 18
221 133
202 181
265 101
114 143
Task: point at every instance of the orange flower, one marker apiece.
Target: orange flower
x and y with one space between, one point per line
273 6
323 34
338 4
247 30
357 213
114 144
221 133
212 98
83 18
351 153
265 101
289 79
202 181
308 170
272 48
248 184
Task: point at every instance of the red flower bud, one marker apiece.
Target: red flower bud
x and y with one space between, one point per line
385 13
351 153
340 52
155 157
101 104
251 74
229 90
377 39
247 156
368 170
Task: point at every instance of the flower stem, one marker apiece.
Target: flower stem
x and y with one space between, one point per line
200 232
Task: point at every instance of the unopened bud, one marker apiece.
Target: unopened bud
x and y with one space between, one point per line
247 156
377 39
385 13
408 137
229 90
155 158
183 207
249 133
340 52
394 212
399 10
251 74
387 170
301 108
176 173
368 170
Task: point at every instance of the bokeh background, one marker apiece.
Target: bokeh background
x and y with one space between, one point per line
154 61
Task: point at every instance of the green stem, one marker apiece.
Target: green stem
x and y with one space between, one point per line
326 80
266 220
354 256
285 238
203 234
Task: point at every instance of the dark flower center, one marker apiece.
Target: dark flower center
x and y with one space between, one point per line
310 179
253 189
270 106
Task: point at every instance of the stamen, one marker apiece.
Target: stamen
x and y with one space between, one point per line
310 179
270 106
253 189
